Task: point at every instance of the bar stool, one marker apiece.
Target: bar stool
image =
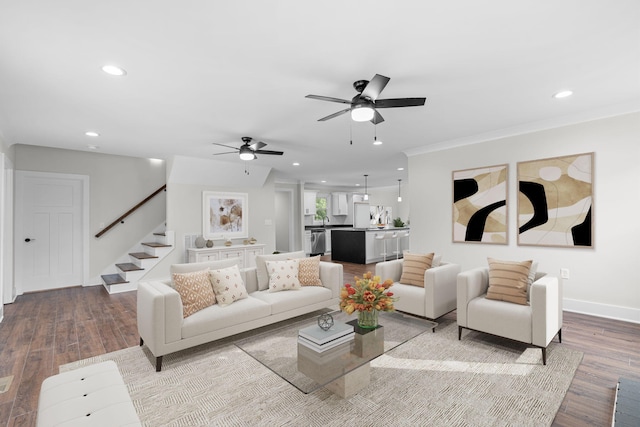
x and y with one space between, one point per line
401 235
384 237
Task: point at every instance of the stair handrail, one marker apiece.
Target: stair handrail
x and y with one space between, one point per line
130 211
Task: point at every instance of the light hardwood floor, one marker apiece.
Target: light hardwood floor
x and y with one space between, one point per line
44 330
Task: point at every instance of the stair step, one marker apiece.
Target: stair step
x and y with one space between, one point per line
129 266
142 255
113 279
156 245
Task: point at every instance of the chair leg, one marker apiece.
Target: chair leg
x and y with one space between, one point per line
560 335
459 333
141 341
544 355
158 363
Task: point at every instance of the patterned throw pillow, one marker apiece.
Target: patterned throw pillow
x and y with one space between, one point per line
195 291
508 280
228 285
413 268
283 275
309 271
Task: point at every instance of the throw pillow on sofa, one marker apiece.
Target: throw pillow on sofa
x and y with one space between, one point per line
195 291
228 285
309 271
413 268
261 265
508 280
283 275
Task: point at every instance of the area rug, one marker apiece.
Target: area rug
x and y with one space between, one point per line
432 380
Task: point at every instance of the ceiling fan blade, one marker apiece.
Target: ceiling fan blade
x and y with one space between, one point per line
331 116
400 102
328 98
377 118
375 86
227 146
226 152
277 153
256 145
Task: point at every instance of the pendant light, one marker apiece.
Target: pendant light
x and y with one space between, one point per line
366 195
375 136
399 196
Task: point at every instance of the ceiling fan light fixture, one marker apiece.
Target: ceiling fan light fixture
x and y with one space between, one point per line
361 113
246 153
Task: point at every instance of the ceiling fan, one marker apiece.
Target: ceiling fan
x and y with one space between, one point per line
249 149
364 105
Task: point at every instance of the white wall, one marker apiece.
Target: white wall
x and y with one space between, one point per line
603 280
117 183
388 196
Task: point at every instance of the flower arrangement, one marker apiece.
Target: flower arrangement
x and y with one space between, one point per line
367 295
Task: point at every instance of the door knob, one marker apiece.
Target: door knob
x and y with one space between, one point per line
29 240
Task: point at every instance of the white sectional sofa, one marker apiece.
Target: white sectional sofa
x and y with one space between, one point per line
436 298
160 313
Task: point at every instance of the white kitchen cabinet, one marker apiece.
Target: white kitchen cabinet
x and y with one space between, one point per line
339 204
246 253
310 202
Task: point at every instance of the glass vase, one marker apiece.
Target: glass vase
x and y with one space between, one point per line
368 319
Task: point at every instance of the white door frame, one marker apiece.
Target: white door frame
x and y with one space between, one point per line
289 191
18 224
7 287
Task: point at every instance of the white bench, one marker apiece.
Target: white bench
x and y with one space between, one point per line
93 396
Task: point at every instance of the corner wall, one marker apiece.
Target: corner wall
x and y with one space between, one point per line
603 280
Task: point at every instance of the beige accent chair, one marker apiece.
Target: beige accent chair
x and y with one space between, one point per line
435 299
537 323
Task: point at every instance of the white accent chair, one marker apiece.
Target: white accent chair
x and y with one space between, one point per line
435 299
536 323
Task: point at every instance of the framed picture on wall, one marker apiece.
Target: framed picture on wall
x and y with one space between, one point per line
480 205
555 201
224 215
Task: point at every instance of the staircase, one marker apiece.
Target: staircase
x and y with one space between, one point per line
141 260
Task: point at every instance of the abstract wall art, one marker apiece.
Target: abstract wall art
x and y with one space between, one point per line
480 205
555 201
224 215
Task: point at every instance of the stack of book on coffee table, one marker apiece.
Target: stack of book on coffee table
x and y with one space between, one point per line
319 340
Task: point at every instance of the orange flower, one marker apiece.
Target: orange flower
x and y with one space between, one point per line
367 294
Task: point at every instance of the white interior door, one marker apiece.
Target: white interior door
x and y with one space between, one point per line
50 235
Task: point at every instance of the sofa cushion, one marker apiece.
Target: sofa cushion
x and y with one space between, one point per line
285 301
513 321
283 275
218 317
508 280
309 271
228 285
413 268
261 266
195 291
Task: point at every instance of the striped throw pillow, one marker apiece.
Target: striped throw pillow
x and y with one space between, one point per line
508 280
413 268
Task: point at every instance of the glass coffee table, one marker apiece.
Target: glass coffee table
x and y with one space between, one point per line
344 369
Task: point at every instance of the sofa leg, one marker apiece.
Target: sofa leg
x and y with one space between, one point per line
141 341
158 363
544 355
459 333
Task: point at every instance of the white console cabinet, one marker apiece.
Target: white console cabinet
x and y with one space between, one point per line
246 253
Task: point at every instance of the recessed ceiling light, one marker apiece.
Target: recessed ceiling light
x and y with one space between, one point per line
323 181
114 70
400 169
563 94
92 133
296 164
357 185
92 147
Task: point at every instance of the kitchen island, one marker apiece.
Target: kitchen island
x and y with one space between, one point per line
367 245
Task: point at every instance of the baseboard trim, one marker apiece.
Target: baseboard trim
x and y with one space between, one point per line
608 311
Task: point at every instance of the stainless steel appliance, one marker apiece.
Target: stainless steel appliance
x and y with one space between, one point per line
318 241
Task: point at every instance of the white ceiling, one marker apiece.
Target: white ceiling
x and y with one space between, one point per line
213 71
